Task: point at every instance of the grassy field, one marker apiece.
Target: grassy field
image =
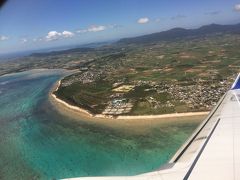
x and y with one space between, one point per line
92 97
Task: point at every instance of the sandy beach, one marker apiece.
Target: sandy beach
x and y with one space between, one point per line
162 116
75 108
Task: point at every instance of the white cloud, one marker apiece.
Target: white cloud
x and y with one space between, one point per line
24 40
38 39
67 34
54 35
3 38
82 31
143 20
237 7
96 28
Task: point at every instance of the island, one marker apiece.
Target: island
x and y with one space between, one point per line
175 71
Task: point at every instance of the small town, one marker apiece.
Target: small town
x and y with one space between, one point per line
123 98
199 97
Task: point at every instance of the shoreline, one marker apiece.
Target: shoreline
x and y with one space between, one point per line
57 102
75 108
162 116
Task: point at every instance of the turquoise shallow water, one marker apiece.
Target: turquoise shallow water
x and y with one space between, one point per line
36 142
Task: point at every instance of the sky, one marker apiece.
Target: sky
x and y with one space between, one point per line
37 24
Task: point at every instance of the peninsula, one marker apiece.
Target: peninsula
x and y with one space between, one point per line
83 112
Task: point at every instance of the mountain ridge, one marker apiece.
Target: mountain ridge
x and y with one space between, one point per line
181 33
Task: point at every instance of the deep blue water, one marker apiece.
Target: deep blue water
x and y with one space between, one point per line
36 142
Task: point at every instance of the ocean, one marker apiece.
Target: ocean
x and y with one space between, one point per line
37 142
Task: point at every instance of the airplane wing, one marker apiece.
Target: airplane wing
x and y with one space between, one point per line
212 152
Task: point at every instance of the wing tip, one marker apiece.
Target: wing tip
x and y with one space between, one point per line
236 84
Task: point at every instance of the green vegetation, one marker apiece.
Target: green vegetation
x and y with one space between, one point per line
92 97
156 70
176 75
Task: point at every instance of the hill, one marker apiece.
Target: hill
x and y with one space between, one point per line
181 33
